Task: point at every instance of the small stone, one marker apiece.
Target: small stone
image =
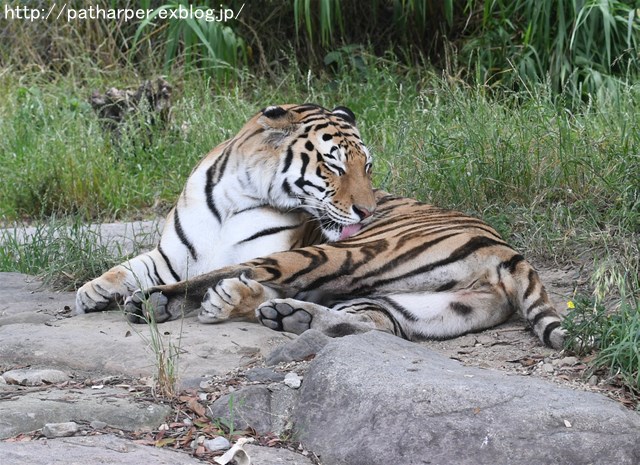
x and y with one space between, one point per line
60 430
568 361
217 443
593 380
97 424
547 368
293 380
264 375
34 377
485 340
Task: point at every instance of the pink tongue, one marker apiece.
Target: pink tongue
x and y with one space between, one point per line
349 231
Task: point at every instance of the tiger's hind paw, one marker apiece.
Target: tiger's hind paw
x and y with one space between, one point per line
145 307
285 315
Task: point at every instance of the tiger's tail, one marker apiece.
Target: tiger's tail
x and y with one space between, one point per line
533 301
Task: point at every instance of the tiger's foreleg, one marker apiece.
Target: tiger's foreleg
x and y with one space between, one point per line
119 282
217 296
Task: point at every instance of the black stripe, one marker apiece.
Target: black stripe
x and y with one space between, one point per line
267 232
288 159
305 162
546 337
536 304
544 313
368 251
147 268
512 263
532 284
406 314
406 256
223 160
316 258
446 286
462 252
166 260
107 295
461 309
306 107
248 138
397 328
182 236
255 207
208 194
286 188
159 280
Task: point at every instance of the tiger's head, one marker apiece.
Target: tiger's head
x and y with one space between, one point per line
324 168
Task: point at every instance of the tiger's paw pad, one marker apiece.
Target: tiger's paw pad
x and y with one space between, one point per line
144 307
280 315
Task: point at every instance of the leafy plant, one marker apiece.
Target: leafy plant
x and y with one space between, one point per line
202 42
228 423
329 24
582 47
166 354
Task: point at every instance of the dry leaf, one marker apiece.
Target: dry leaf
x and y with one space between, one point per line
165 442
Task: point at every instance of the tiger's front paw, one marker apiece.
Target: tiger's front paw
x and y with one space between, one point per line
232 298
146 307
96 295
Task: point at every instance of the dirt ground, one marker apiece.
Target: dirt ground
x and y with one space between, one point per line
512 347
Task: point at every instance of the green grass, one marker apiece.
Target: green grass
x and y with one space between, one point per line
65 252
560 185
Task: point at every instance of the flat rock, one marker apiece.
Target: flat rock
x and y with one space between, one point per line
105 342
23 300
109 449
271 456
34 377
115 407
94 450
377 399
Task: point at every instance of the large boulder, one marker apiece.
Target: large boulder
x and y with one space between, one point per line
377 399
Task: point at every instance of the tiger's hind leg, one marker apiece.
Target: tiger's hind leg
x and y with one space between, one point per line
351 317
448 314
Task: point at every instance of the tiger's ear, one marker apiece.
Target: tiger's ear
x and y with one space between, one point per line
275 117
345 113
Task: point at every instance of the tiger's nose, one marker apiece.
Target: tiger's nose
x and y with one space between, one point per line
362 212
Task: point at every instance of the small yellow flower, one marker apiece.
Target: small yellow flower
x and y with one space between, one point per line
571 305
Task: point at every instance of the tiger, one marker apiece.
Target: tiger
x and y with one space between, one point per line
292 176
385 262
